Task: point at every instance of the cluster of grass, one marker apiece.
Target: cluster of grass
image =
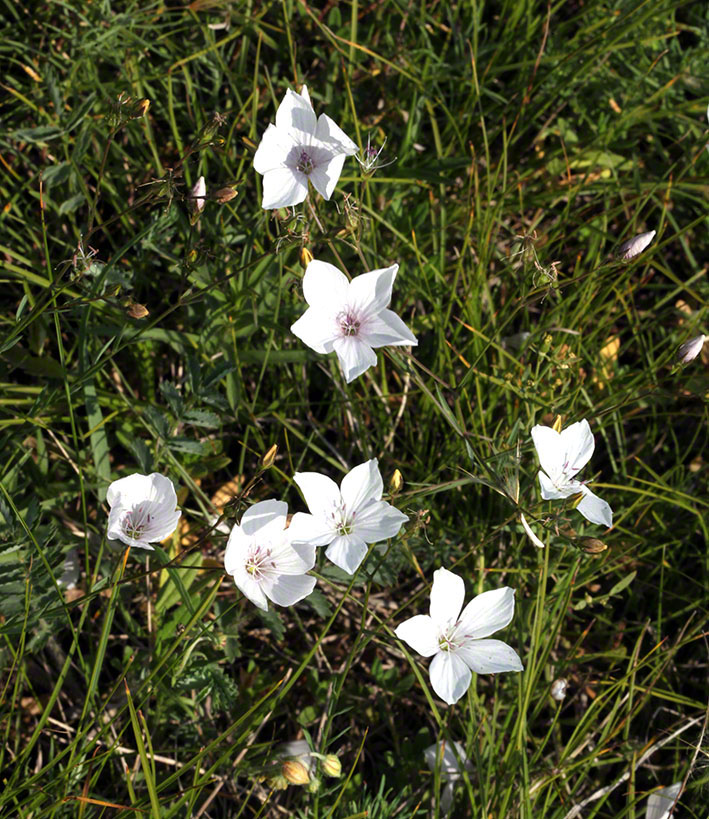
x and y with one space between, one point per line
530 140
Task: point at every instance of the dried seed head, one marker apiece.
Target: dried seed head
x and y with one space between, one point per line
137 311
224 195
691 349
593 546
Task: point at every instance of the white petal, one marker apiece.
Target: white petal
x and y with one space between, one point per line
371 292
378 521
283 187
295 114
315 330
288 561
268 515
550 450
660 802
325 176
250 588
577 441
490 657
488 612
324 286
447 595
420 633
551 492
347 552
136 488
305 95
163 525
387 329
321 493
691 349
327 131
594 509
286 591
450 676
636 245
306 528
273 149
527 528
361 485
442 756
355 356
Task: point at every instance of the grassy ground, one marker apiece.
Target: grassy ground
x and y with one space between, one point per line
530 141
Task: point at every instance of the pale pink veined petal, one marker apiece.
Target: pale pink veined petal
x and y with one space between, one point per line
327 131
490 657
594 509
450 676
347 552
305 528
325 287
288 561
315 330
325 176
488 612
420 633
370 292
285 591
577 441
387 329
378 521
355 356
361 485
282 188
268 516
447 595
660 803
250 588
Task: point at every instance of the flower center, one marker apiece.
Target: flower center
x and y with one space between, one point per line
341 521
450 640
259 562
136 522
349 322
305 163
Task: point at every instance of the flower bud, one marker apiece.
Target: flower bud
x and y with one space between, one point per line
269 458
197 199
278 782
224 195
314 785
396 483
140 109
558 689
592 545
331 766
305 257
635 246
295 772
556 426
691 349
137 311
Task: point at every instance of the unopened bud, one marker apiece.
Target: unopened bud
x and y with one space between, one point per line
305 257
314 785
212 126
137 311
593 546
278 782
691 349
547 341
331 766
224 195
192 256
556 426
635 246
295 772
197 199
269 458
141 108
396 483
558 689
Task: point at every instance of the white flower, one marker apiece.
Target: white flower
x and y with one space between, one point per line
350 317
299 148
442 756
143 509
457 639
562 455
660 802
345 518
264 564
636 245
691 349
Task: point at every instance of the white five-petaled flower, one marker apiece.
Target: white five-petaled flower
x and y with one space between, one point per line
635 246
562 455
262 560
345 518
457 638
443 757
299 148
660 802
143 509
350 317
